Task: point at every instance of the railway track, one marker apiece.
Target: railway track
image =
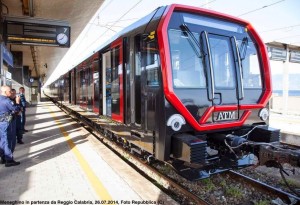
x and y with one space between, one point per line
167 184
263 187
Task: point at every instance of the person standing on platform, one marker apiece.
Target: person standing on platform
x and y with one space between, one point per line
23 104
7 107
19 130
16 124
12 128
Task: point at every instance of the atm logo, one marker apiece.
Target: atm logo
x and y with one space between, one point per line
230 115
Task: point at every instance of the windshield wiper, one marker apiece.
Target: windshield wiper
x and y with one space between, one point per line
243 48
238 60
192 39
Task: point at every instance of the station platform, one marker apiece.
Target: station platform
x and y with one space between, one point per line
289 126
287 123
62 163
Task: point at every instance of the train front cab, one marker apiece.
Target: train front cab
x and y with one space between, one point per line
216 79
182 80
185 85
185 80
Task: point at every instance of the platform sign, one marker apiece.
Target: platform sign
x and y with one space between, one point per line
295 57
36 31
278 54
7 55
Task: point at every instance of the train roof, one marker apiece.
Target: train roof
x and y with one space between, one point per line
139 23
146 19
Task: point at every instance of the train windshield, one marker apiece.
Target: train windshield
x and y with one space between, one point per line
188 53
250 66
187 66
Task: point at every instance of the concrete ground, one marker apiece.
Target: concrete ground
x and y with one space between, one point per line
61 163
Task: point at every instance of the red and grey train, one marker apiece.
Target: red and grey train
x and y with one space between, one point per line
187 86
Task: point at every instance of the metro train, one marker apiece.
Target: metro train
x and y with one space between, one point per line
184 85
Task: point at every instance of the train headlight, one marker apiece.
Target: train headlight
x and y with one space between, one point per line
264 114
176 121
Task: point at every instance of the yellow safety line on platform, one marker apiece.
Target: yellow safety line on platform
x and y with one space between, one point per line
93 179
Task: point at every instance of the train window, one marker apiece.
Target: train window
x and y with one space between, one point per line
66 89
78 85
115 88
193 19
83 87
137 80
187 67
250 67
151 60
96 84
222 61
89 79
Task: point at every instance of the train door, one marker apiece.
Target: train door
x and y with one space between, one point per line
96 85
73 85
78 85
150 84
89 85
136 98
70 87
66 88
117 101
132 100
106 83
113 82
83 93
133 83
226 85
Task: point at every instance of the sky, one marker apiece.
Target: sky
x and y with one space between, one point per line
274 20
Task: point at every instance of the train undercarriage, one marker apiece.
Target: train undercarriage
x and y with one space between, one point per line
199 156
214 153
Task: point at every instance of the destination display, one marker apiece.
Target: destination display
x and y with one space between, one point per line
35 31
278 54
295 57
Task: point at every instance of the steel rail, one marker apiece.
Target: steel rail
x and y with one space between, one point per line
179 188
262 186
